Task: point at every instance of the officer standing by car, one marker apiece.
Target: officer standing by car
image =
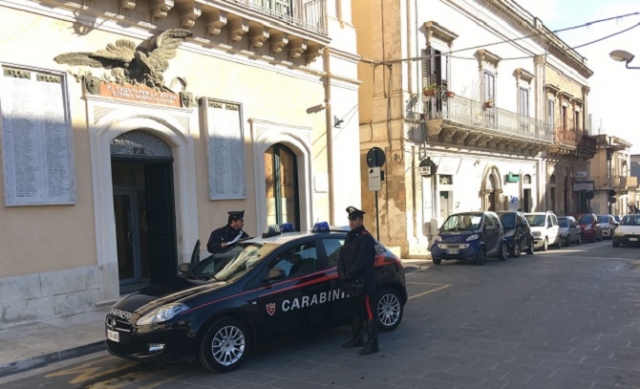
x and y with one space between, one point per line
356 271
223 237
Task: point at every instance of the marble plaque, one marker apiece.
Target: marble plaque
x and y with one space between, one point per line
37 146
225 150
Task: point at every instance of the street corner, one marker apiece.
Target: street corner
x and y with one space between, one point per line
415 265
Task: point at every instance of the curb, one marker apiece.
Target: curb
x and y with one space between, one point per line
47 359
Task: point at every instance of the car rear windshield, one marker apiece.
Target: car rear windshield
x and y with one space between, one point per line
508 220
462 222
536 220
563 222
586 219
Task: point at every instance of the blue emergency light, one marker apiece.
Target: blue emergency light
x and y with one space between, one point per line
287 227
272 230
321 227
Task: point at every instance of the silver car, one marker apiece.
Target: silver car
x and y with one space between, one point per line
569 230
608 224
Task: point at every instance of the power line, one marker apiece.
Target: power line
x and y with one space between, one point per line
554 32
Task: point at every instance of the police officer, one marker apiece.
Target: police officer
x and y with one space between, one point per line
356 271
225 236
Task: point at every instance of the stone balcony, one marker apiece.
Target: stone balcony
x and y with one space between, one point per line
290 31
462 121
573 142
619 183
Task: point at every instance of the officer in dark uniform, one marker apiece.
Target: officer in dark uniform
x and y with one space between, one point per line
356 271
225 236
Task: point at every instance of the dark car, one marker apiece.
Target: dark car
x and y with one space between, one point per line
516 232
569 230
259 290
589 226
471 236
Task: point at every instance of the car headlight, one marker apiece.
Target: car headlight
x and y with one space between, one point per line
619 233
472 237
162 314
509 233
438 238
536 233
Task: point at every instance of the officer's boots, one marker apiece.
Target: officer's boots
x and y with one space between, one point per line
372 338
357 339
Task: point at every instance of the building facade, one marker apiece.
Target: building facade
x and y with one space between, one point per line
132 127
614 186
459 101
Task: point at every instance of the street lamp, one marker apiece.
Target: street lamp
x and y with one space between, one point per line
623 56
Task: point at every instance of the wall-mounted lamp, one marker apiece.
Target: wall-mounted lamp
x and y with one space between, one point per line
623 56
337 122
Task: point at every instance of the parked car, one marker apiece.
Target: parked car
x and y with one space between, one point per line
471 236
590 227
516 232
544 228
258 290
608 225
569 230
628 232
618 218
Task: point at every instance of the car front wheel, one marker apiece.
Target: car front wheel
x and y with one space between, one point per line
545 245
504 252
517 250
389 309
224 346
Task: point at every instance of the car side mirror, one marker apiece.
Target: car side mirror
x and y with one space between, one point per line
274 275
185 268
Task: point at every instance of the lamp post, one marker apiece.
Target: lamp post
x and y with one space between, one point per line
623 56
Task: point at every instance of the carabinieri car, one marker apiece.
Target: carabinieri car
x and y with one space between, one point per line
258 290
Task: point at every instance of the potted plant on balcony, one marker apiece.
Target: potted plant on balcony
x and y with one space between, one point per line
488 104
448 94
430 90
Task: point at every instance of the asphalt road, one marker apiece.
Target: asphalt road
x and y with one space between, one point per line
567 318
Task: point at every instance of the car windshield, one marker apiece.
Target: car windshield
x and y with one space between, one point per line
508 220
232 263
631 220
462 222
603 218
563 222
586 219
536 220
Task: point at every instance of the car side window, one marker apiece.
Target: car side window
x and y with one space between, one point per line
488 221
554 220
332 248
298 260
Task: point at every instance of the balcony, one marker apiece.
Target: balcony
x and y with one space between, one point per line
620 183
572 142
308 14
463 121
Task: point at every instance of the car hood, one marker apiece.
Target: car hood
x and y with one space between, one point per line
456 237
564 230
537 229
154 296
628 230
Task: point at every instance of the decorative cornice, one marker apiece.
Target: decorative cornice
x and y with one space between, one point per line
296 48
189 13
552 88
216 21
160 8
277 42
258 35
435 30
484 55
565 95
237 28
521 74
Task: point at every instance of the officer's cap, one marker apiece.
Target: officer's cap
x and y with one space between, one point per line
236 215
354 212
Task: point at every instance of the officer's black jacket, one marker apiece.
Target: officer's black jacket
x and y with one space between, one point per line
223 235
357 259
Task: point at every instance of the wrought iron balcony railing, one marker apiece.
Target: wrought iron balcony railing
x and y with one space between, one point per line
493 121
309 14
576 139
615 182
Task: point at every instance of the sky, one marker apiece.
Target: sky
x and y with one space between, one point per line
614 101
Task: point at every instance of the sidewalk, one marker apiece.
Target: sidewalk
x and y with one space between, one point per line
38 344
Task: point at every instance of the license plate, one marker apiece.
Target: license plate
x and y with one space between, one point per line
113 336
453 251
633 239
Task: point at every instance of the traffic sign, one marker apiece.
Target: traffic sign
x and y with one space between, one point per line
375 181
612 199
612 193
375 157
590 195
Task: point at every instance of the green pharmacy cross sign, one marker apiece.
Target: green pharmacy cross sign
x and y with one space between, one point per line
511 177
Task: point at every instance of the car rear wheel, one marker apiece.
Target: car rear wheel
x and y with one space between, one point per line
479 260
389 309
503 254
530 248
436 261
559 244
224 346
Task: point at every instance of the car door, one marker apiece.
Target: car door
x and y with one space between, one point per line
554 229
338 306
297 301
491 233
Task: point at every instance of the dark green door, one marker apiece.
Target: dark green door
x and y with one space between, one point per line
161 221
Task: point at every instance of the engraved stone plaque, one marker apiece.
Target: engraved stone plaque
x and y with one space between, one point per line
225 146
37 146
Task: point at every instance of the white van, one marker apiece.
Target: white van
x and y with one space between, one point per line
545 229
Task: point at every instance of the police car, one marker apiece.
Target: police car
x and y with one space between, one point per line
258 290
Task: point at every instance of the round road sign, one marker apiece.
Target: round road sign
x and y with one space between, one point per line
375 157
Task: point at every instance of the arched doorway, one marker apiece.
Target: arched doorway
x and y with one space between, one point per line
143 199
281 176
491 189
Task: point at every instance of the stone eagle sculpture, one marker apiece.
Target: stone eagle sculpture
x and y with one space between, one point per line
131 64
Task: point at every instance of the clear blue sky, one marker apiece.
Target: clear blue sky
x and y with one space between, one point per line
615 91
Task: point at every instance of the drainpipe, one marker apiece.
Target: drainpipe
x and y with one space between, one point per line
329 119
